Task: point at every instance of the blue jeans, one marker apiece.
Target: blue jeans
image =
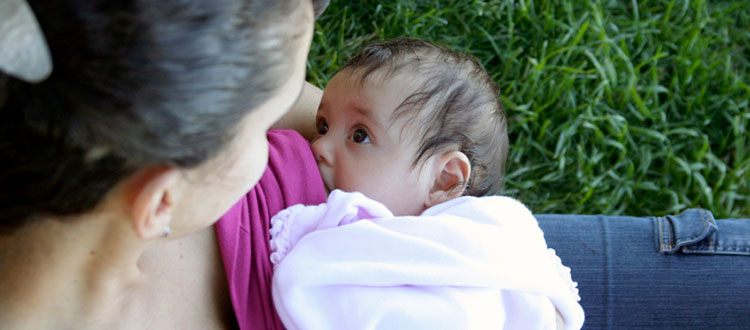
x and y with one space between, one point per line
688 271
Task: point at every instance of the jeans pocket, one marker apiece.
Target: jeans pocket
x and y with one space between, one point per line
695 231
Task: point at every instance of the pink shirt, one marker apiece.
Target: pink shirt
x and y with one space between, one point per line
291 178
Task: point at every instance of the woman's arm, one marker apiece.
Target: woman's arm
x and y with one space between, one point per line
301 117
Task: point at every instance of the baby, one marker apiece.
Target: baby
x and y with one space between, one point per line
412 142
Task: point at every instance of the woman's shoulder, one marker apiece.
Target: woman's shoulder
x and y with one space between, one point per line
291 159
292 169
286 139
291 177
287 147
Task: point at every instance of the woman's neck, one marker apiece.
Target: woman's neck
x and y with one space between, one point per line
94 273
59 273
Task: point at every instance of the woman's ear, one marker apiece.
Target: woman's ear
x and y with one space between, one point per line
152 198
452 172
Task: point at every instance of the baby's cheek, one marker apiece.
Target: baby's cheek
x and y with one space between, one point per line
348 181
359 182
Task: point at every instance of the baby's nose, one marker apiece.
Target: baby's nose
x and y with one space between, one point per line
321 150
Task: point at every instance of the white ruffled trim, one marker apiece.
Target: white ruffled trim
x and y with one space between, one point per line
281 227
564 273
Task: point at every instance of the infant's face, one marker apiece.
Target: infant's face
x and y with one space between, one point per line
360 147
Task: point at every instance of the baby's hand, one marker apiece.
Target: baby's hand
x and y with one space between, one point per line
289 226
342 208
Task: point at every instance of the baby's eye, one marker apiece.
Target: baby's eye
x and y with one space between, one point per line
360 136
322 128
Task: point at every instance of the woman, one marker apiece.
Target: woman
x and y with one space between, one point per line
151 125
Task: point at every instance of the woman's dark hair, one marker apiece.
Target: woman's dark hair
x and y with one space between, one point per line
456 105
134 84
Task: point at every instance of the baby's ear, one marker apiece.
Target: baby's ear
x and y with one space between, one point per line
452 171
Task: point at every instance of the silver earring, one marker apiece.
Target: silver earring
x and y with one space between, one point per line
166 232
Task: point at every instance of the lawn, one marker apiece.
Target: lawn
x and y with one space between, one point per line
614 107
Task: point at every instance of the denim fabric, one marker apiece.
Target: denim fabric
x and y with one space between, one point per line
688 271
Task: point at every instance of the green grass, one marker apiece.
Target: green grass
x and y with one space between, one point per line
615 107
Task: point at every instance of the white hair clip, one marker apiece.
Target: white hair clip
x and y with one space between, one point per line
23 50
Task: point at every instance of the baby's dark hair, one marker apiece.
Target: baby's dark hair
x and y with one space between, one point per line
456 105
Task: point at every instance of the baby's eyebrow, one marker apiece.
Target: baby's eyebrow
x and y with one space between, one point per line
366 113
320 110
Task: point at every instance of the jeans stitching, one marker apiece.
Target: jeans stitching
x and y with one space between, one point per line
661 234
734 250
689 248
710 235
666 235
705 223
670 239
692 238
712 247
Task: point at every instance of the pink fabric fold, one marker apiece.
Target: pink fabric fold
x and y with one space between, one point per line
291 178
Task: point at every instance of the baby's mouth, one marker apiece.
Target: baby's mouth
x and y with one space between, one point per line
324 177
325 184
